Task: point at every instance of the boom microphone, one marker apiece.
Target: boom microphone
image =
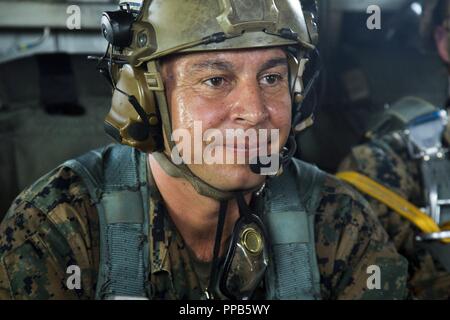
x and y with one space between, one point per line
284 157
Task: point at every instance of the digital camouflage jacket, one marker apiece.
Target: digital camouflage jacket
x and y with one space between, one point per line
37 246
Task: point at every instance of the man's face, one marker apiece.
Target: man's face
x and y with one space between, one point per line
239 89
441 39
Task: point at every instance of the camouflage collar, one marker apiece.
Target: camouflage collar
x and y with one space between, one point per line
171 266
162 230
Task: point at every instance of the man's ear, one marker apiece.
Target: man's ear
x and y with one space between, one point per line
441 39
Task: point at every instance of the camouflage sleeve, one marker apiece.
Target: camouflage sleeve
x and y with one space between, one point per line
387 162
356 259
49 227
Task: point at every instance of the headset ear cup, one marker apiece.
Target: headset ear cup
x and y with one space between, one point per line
123 122
116 27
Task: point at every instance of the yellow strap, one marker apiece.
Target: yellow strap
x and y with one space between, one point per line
403 207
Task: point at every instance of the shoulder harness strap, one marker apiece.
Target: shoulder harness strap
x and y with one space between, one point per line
116 177
292 202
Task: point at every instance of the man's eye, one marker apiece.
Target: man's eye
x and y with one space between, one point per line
271 79
215 82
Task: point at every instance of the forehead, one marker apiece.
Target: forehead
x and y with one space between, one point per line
235 58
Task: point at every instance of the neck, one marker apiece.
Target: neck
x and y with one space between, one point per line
195 216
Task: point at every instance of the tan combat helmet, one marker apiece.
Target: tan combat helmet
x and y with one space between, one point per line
142 32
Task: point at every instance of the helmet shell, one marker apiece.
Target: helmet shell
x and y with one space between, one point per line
164 27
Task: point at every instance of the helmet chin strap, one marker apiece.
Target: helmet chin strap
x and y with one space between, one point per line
182 171
205 189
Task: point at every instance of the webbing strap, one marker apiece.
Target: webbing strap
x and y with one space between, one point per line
293 273
392 200
116 178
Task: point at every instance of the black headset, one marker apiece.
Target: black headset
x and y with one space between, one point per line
116 26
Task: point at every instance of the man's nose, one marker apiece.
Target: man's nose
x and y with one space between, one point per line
249 108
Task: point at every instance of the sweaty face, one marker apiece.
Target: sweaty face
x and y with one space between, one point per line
226 93
441 39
